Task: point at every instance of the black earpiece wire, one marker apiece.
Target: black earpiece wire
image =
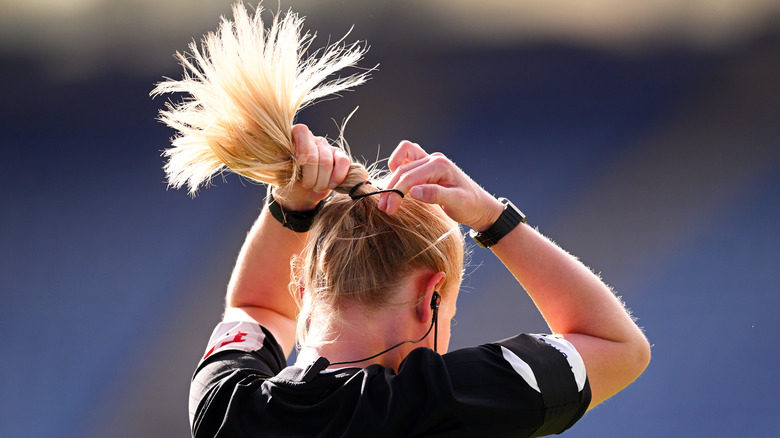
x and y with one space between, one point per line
435 301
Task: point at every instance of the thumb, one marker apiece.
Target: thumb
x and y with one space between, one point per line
454 202
428 193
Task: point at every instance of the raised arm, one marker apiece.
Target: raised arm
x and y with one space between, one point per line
573 300
259 286
577 304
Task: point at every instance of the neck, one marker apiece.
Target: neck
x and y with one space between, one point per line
361 334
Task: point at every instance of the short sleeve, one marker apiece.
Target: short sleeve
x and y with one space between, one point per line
551 366
238 353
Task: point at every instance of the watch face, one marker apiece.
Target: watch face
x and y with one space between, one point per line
509 206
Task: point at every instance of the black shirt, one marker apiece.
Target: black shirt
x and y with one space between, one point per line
527 385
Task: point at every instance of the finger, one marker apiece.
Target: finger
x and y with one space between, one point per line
436 170
324 165
405 152
438 194
401 170
307 155
422 174
450 199
340 168
429 193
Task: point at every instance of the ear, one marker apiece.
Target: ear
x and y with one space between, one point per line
431 283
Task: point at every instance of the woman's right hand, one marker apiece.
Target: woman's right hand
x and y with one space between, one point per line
434 179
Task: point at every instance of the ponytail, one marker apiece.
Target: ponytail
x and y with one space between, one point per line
246 84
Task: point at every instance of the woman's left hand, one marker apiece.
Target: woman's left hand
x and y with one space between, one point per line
323 167
434 179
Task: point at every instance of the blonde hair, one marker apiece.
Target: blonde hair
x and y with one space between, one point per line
245 89
246 85
359 254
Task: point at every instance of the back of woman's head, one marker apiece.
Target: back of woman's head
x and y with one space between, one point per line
246 84
358 254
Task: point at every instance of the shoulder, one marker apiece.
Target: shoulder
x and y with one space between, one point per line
244 336
241 354
529 354
241 345
523 379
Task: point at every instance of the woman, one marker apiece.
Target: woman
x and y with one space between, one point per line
375 267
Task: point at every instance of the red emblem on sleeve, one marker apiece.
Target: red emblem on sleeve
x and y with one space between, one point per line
239 337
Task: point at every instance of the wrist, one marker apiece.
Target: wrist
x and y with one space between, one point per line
507 221
298 217
490 216
290 203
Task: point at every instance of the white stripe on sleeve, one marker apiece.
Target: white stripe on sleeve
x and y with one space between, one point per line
521 367
570 353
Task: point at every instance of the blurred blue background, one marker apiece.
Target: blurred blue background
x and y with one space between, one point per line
643 137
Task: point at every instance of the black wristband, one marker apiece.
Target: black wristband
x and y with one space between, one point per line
510 218
298 221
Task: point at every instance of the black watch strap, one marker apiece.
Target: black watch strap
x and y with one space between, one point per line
510 218
298 221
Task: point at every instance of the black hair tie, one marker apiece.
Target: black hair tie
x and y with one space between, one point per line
355 187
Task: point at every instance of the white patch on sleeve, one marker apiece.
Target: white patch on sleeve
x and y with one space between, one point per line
236 335
521 367
570 353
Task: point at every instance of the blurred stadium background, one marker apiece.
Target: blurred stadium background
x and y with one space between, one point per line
642 136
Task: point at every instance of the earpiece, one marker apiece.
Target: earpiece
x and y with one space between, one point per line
435 300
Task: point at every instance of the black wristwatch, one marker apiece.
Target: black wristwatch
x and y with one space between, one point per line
509 219
298 221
